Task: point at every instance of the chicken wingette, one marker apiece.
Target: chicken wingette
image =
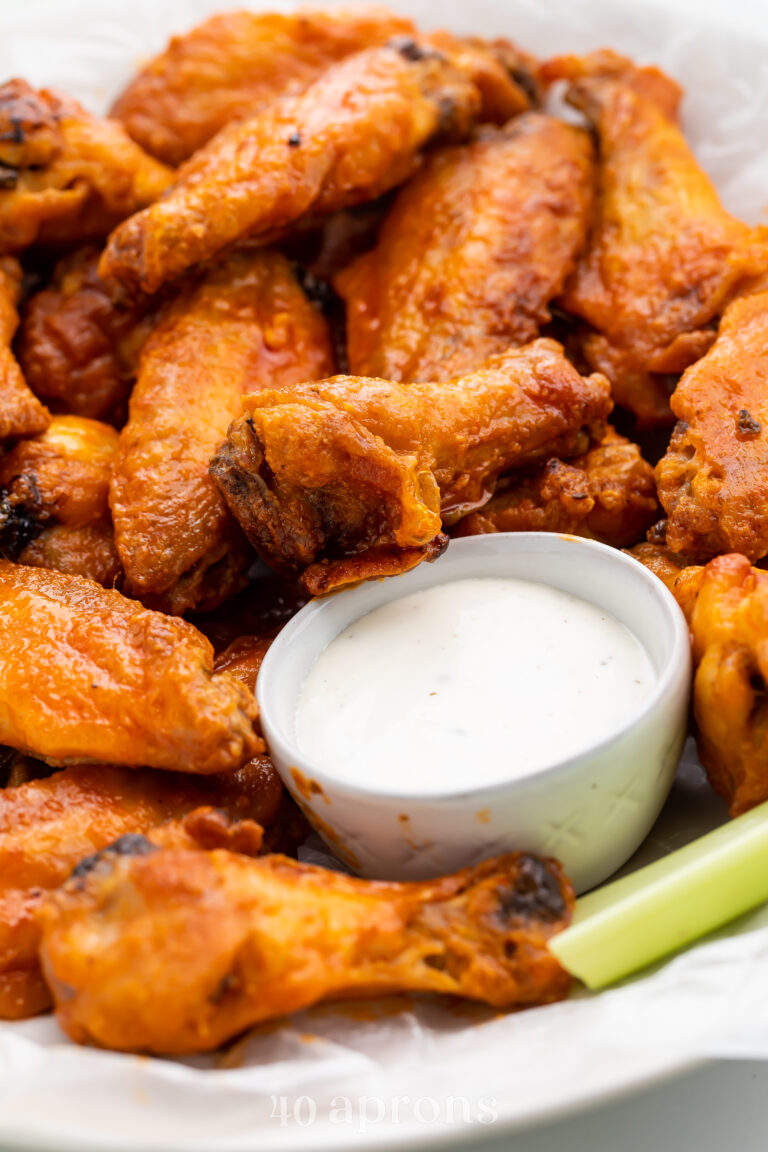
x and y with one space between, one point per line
246 324
91 676
235 64
726 604
471 253
664 257
358 131
713 480
353 478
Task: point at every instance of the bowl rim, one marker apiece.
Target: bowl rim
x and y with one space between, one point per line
677 667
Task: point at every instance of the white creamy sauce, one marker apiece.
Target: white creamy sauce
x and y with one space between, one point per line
469 683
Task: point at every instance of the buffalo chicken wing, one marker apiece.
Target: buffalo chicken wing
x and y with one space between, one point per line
48 826
664 257
713 481
93 676
54 491
352 478
245 325
353 135
77 347
235 64
726 604
66 175
473 250
177 952
608 494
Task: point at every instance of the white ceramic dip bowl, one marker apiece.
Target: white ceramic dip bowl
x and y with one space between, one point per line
591 811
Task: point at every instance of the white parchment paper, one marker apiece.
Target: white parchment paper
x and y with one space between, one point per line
416 1071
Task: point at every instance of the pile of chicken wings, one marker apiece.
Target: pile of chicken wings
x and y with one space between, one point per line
322 292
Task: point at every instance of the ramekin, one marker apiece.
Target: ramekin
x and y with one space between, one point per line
591 811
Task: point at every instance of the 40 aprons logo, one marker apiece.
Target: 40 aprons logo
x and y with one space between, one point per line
365 1112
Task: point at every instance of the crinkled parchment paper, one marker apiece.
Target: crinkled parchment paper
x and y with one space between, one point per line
414 1071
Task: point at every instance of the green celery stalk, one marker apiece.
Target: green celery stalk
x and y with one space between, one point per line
626 925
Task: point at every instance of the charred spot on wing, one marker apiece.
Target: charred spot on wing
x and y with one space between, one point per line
411 50
14 134
9 177
19 526
746 424
526 82
229 985
657 534
535 894
450 117
129 845
435 549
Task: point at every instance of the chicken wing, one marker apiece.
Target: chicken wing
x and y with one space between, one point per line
243 658
78 347
607 494
66 175
244 325
474 248
177 952
671 568
353 478
48 826
726 604
354 134
664 257
713 481
235 64
92 676
53 500
21 413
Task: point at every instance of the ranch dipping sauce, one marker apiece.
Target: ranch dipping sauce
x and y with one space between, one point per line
467 684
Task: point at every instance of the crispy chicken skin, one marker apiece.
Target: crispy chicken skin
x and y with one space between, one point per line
354 134
352 478
664 257
235 64
21 413
669 566
92 676
244 325
54 490
243 658
66 175
713 481
472 251
77 347
726 604
48 826
177 952
608 494
504 75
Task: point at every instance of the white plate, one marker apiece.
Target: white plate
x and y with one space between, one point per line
330 1078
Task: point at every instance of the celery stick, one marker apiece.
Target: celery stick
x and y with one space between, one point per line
659 909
